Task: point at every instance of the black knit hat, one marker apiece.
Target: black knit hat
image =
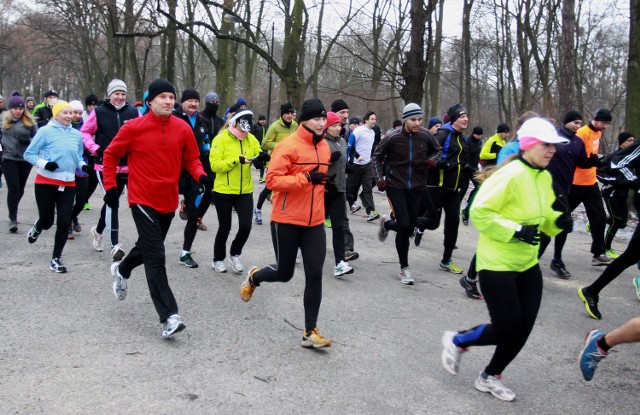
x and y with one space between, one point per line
286 108
159 86
50 93
312 108
503 128
477 130
571 116
602 114
262 117
455 112
91 99
339 105
624 136
189 93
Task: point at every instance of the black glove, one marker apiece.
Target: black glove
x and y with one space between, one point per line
85 168
257 163
335 156
111 198
565 222
382 185
442 164
528 234
99 152
264 156
206 182
51 166
242 159
594 160
316 177
470 169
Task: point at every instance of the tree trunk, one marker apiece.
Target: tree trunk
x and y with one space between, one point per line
170 67
414 67
567 58
632 119
466 53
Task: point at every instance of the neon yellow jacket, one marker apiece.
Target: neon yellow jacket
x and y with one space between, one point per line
276 132
516 194
231 176
492 147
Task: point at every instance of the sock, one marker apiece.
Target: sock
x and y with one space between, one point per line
484 375
602 344
185 252
469 280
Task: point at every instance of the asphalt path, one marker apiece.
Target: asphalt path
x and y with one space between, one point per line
70 347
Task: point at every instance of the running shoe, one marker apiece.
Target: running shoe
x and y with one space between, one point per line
57 265
417 238
342 268
117 253
464 216
405 276
636 283
218 266
558 267
187 261
590 303
587 227
611 253
591 354
33 233
314 339
97 242
120 284
354 208
87 206
327 223
70 234
183 210
383 232
601 260
76 225
13 226
172 326
470 288
351 255
201 226
450 267
451 353
236 264
261 180
248 287
257 216
494 386
373 215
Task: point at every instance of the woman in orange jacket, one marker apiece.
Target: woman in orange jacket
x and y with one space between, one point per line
297 175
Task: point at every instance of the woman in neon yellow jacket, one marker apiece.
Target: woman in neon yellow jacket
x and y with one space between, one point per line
232 152
510 210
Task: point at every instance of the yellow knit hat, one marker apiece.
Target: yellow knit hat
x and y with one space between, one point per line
60 105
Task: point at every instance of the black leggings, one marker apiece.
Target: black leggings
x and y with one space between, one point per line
149 250
121 181
262 197
85 186
194 214
629 257
335 206
286 241
438 200
405 205
51 199
243 204
16 174
513 300
618 216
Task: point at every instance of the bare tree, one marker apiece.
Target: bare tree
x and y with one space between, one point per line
633 70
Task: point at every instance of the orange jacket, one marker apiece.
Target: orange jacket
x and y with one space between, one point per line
296 200
591 139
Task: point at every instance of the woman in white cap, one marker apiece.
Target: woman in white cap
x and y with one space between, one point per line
510 223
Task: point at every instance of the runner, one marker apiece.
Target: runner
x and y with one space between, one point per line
507 255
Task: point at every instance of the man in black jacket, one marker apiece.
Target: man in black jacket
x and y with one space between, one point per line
475 145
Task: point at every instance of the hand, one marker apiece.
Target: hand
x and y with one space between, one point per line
85 168
431 164
441 164
528 234
565 222
594 160
242 159
206 182
99 152
264 156
51 166
316 177
111 198
360 158
335 156
382 185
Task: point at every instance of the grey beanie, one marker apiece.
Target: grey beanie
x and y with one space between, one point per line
411 110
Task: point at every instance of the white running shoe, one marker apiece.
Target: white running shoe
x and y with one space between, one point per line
493 385
218 266
117 253
405 276
450 353
120 285
236 265
342 268
97 242
172 326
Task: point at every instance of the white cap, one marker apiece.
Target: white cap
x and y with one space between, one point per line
536 130
76 105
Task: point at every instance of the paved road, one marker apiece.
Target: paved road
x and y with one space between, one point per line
69 347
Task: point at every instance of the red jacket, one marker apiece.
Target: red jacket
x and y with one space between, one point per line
296 200
158 149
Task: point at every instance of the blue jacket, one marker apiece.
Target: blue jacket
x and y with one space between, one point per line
456 155
59 143
512 147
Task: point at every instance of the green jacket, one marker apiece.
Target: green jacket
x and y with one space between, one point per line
231 176
516 194
276 132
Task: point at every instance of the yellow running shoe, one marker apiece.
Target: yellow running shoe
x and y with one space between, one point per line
450 267
248 287
314 339
611 253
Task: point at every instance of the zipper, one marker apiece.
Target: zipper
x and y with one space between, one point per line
241 166
410 160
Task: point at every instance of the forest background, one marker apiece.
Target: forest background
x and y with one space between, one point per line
497 57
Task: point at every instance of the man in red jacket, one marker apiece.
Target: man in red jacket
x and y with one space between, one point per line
157 139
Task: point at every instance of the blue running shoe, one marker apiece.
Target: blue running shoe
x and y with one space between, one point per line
591 354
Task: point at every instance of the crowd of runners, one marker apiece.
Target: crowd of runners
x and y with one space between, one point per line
318 167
